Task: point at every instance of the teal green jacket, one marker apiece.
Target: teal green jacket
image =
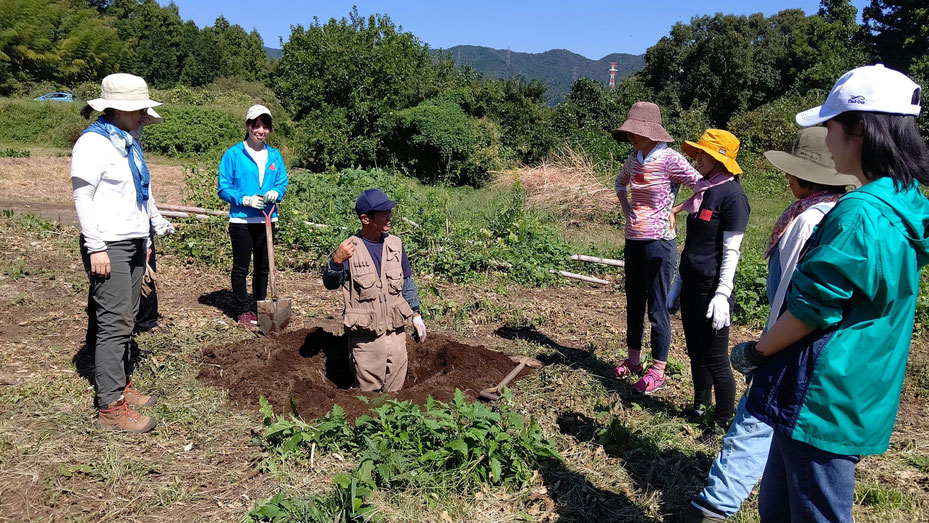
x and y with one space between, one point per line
857 284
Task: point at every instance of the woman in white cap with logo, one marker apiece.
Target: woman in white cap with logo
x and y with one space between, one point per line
252 178
646 188
827 375
112 196
816 185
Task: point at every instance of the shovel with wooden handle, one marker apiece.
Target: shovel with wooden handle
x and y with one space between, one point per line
274 313
493 393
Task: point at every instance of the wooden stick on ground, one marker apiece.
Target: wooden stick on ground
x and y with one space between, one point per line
595 259
191 209
581 277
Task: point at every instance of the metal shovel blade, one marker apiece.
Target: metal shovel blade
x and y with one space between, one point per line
273 315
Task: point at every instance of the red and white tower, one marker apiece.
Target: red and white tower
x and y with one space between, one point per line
613 71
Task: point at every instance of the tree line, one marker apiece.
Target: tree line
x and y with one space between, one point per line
362 92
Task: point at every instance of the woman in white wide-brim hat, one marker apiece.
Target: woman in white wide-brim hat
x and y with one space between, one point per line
112 197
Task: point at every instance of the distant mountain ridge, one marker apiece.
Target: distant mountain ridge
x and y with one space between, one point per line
557 68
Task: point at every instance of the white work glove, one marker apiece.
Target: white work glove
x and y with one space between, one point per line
420 327
271 197
255 202
718 311
674 295
164 228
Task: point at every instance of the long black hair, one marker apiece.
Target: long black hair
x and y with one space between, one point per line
891 146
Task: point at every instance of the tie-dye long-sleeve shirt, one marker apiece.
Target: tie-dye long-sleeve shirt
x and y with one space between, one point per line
654 180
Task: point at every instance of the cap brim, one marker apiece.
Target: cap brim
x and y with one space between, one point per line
807 170
815 116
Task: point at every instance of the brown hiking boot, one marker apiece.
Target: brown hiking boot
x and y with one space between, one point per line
136 398
118 416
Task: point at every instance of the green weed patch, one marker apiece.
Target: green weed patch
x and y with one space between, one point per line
439 447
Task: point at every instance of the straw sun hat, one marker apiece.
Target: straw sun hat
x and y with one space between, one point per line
644 119
123 92
721 145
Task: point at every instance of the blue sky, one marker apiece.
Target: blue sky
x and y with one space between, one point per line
590 28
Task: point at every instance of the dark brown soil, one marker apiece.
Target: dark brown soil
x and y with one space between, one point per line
311 366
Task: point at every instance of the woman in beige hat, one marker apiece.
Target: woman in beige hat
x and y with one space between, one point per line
112 197
646 188
717 218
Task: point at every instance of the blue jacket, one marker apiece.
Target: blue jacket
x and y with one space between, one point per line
238 177
856 284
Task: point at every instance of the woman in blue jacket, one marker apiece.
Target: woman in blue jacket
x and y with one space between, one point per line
828 373
251 177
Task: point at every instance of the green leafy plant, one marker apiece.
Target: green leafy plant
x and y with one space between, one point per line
435 447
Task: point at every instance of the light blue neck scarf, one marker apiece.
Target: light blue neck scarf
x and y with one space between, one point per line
128 148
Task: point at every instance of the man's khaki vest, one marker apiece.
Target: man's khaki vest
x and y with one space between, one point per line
373 302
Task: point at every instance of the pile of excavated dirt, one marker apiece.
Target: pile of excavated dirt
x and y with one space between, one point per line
311 366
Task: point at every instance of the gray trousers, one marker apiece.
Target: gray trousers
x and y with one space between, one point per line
113 304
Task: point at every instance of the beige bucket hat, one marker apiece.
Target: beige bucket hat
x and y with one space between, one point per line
809 159
644 119
123 92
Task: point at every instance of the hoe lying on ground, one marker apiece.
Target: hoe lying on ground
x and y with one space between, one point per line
493 393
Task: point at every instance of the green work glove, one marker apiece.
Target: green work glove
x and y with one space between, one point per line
745 358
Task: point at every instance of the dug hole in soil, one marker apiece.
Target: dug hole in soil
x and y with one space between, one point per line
312 367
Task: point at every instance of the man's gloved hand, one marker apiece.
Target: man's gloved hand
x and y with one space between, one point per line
745 358
419 327
718 311
271 197
674 295
255 202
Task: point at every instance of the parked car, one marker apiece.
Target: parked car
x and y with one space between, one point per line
56 97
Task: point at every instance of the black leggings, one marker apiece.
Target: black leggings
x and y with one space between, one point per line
709 354
249 241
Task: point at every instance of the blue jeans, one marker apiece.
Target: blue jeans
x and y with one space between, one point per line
649 271
804 483
737 469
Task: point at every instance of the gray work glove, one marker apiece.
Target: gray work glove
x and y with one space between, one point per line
745 358
271 196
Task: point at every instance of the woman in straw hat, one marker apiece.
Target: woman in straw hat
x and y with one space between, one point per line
716 221
112 197
816 185
827 375
646 188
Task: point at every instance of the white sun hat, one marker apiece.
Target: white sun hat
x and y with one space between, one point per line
123 92
873 89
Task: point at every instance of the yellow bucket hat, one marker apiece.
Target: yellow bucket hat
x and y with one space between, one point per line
719 144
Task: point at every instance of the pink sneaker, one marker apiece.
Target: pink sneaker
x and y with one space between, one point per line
652 381
626 369
249 320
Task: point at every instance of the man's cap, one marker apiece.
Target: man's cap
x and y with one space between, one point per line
255 111
873 89
809 159
373 200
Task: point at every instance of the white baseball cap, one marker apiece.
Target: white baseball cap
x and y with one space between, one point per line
873 89
255 111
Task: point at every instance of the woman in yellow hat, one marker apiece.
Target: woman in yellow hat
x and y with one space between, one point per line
717 217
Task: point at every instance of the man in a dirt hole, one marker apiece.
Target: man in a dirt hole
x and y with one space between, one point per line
379 296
